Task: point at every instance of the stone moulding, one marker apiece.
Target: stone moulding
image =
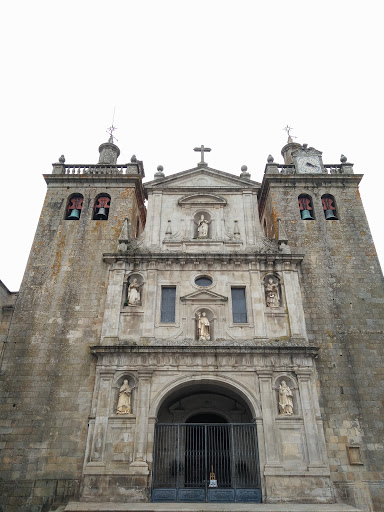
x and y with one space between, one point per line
244 257
310 352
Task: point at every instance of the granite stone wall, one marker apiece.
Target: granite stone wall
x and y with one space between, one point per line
47 372
342 287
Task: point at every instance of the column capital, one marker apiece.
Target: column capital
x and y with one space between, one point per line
106 373
145 374
265 373
304 373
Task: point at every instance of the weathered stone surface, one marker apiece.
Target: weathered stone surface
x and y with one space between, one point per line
74 337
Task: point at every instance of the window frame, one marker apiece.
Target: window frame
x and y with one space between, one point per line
233 323
161 322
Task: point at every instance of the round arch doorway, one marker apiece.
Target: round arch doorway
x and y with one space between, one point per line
205 447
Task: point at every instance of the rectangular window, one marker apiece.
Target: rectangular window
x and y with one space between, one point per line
168 304
239 307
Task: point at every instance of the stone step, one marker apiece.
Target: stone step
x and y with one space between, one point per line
205 507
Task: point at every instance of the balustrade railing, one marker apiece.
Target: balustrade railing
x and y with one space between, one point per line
96 169
328 168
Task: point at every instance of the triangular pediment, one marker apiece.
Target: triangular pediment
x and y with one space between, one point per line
204 296
200 178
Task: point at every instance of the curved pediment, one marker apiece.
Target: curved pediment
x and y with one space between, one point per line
202 199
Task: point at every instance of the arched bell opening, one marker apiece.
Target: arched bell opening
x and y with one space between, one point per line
329 207
205 446
101 207
306 207
74 207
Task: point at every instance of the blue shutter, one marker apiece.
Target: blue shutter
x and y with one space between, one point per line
239 307
168 304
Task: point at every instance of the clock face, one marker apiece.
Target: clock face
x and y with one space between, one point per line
308 164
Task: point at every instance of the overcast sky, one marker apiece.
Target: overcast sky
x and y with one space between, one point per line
229 75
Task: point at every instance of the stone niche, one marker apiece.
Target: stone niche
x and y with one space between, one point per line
275 310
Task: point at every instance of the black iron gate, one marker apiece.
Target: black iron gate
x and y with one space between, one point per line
206 462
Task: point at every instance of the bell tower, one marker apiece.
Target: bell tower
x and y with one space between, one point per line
322 216
60 310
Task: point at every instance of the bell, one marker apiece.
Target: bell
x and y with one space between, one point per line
306 215
75 215
329 215
101 214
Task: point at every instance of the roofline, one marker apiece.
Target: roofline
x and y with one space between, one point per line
159 181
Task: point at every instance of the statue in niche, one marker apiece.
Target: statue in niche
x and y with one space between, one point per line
134 298
124 402
285 399
203 327
272 293
202 228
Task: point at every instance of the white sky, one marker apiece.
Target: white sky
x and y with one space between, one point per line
229 75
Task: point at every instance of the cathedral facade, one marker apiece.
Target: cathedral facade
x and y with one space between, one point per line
198 338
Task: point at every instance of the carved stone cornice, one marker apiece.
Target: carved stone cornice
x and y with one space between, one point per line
177 257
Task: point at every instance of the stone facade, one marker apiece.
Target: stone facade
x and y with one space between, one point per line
91 324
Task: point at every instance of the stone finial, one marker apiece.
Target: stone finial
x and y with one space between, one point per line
125 235
270 159
62 159
244 172
282 238
343 159
281 232
236 229
133 159
305 146
168 231
159 173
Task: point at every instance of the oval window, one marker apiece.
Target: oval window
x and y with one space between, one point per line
203 281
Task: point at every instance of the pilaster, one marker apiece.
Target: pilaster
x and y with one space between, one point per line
309 418
113 303
266 396
101 421
140 465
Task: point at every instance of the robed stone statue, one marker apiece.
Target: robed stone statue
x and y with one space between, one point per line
124 405
285 399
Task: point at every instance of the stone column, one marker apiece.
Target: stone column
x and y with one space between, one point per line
140 465
248 217
257 304
111 320
294 303
268 412
157 204
152 301
101 421
259 232
309 417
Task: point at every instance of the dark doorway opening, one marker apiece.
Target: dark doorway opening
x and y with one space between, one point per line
206 418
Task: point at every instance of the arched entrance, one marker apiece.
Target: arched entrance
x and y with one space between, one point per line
205 447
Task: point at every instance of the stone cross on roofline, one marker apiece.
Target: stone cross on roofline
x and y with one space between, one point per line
202 150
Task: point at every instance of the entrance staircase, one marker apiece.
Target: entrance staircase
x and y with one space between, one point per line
204 507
